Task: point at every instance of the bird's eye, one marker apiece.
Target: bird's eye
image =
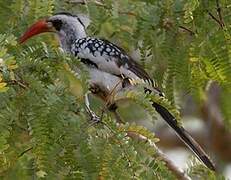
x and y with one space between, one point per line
57 24
49 24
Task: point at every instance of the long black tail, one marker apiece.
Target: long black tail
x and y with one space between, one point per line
184 135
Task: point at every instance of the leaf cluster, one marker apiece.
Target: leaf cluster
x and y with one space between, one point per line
45 130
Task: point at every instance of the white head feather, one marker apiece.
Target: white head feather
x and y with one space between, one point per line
69 28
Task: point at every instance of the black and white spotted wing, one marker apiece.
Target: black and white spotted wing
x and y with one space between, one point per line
108 57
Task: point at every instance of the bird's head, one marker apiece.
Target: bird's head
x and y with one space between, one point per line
68 27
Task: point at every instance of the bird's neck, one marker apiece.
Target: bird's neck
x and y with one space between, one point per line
69 36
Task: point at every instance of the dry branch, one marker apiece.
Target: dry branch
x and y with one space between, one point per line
178 172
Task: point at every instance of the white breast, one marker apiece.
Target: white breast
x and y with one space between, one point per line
106 81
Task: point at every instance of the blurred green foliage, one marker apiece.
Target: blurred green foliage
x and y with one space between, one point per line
45 131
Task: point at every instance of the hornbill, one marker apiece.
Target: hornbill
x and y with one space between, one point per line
108 65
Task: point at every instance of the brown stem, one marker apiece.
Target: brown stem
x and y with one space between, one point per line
24 152
178 172
215 19
220 13
97 3
186 29
117 116
16 82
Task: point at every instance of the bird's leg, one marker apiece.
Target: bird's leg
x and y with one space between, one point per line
108 98
93 116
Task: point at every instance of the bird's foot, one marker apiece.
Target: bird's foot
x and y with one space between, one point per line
93 117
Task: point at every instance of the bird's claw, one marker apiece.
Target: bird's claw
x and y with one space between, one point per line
93 117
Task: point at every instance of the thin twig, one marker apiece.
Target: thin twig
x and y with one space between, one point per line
21 154
117 116
220 13
129 13
178 172
16 82
188 30
100 4
214 18
84 2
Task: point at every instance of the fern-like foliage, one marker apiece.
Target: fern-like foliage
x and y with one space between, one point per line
45 131
198 172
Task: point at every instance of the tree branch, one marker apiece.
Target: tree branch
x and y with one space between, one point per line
178 172
218 134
